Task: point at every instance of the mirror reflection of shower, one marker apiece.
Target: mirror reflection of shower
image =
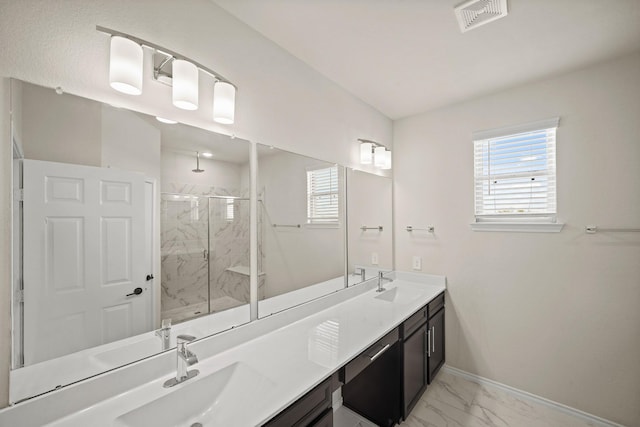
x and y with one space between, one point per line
205 254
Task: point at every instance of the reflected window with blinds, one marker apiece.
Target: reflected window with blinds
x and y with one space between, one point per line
323 196
515 172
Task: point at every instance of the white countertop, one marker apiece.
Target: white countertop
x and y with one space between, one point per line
291 360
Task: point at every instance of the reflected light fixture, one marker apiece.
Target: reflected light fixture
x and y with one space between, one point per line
379 156
171 68
224 102
125 66
185 85
366 153
372 152
387 160
167 121
207 154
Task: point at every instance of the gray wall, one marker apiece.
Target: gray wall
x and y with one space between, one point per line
553 314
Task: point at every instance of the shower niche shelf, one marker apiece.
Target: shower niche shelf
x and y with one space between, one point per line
243 269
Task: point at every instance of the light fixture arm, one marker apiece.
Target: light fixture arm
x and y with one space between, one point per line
375 144
171 55
157 70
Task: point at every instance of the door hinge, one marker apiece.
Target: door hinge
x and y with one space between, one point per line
19 295
18 195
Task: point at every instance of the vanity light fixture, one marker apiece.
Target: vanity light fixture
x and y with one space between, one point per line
125 66
178 71
374 152
224 101
185 85
387 160
366 153
379 156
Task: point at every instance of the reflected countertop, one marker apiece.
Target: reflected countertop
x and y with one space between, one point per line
293 359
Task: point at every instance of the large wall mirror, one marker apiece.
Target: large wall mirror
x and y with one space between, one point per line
128 224
301 229
133 230
370 224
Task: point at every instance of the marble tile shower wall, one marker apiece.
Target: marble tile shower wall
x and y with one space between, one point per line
188 234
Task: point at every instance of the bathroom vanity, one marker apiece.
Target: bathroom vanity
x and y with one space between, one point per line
280 370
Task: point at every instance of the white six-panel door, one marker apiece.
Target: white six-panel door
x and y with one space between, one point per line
84 252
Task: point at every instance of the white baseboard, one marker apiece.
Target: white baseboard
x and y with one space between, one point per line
531 397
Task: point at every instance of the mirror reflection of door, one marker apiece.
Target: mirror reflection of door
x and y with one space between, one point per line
85 258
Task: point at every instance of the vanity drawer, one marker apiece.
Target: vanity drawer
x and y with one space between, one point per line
365 358
413 323
326 420
436 304
307 410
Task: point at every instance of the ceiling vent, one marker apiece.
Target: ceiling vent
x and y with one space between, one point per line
474 13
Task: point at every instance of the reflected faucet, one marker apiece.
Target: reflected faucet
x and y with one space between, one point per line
165 334
381 279
185 358
361 271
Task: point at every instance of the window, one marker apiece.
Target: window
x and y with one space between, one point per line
230 210
322 196
515 175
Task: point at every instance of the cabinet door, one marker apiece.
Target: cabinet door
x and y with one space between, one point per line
414 369
436 352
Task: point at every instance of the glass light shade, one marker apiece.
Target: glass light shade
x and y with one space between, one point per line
379 156
387 160
125 66
167 121
185 85
224 102
366 153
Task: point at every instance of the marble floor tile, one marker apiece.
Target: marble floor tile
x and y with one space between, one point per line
453 401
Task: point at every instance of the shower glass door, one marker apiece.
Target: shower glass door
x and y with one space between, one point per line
228 252
185 256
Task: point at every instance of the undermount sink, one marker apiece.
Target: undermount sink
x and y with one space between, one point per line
208 401
400 295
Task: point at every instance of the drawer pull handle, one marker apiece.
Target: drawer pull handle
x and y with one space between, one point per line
382 350
433 341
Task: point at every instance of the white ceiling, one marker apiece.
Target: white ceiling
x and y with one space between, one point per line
405 57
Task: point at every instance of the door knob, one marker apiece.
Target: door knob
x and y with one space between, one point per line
136 291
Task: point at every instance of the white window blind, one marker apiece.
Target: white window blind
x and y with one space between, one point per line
322 195
230 211
515 172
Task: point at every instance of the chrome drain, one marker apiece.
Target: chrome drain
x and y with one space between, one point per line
196 425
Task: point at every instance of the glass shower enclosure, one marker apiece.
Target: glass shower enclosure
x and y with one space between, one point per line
205 254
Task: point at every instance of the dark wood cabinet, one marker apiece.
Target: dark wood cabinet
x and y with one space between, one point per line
436 341
385 381
311 410
372 382
414 366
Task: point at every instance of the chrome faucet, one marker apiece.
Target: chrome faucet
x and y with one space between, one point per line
381 279
165 334
185 358
360 271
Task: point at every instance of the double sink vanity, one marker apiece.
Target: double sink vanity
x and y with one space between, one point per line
380 348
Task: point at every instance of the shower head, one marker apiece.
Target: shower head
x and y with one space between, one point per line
197 169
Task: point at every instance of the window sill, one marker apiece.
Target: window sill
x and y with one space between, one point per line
324 225
518 227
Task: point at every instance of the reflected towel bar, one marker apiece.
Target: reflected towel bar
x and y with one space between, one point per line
287 225
592 229
364 228
430 229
